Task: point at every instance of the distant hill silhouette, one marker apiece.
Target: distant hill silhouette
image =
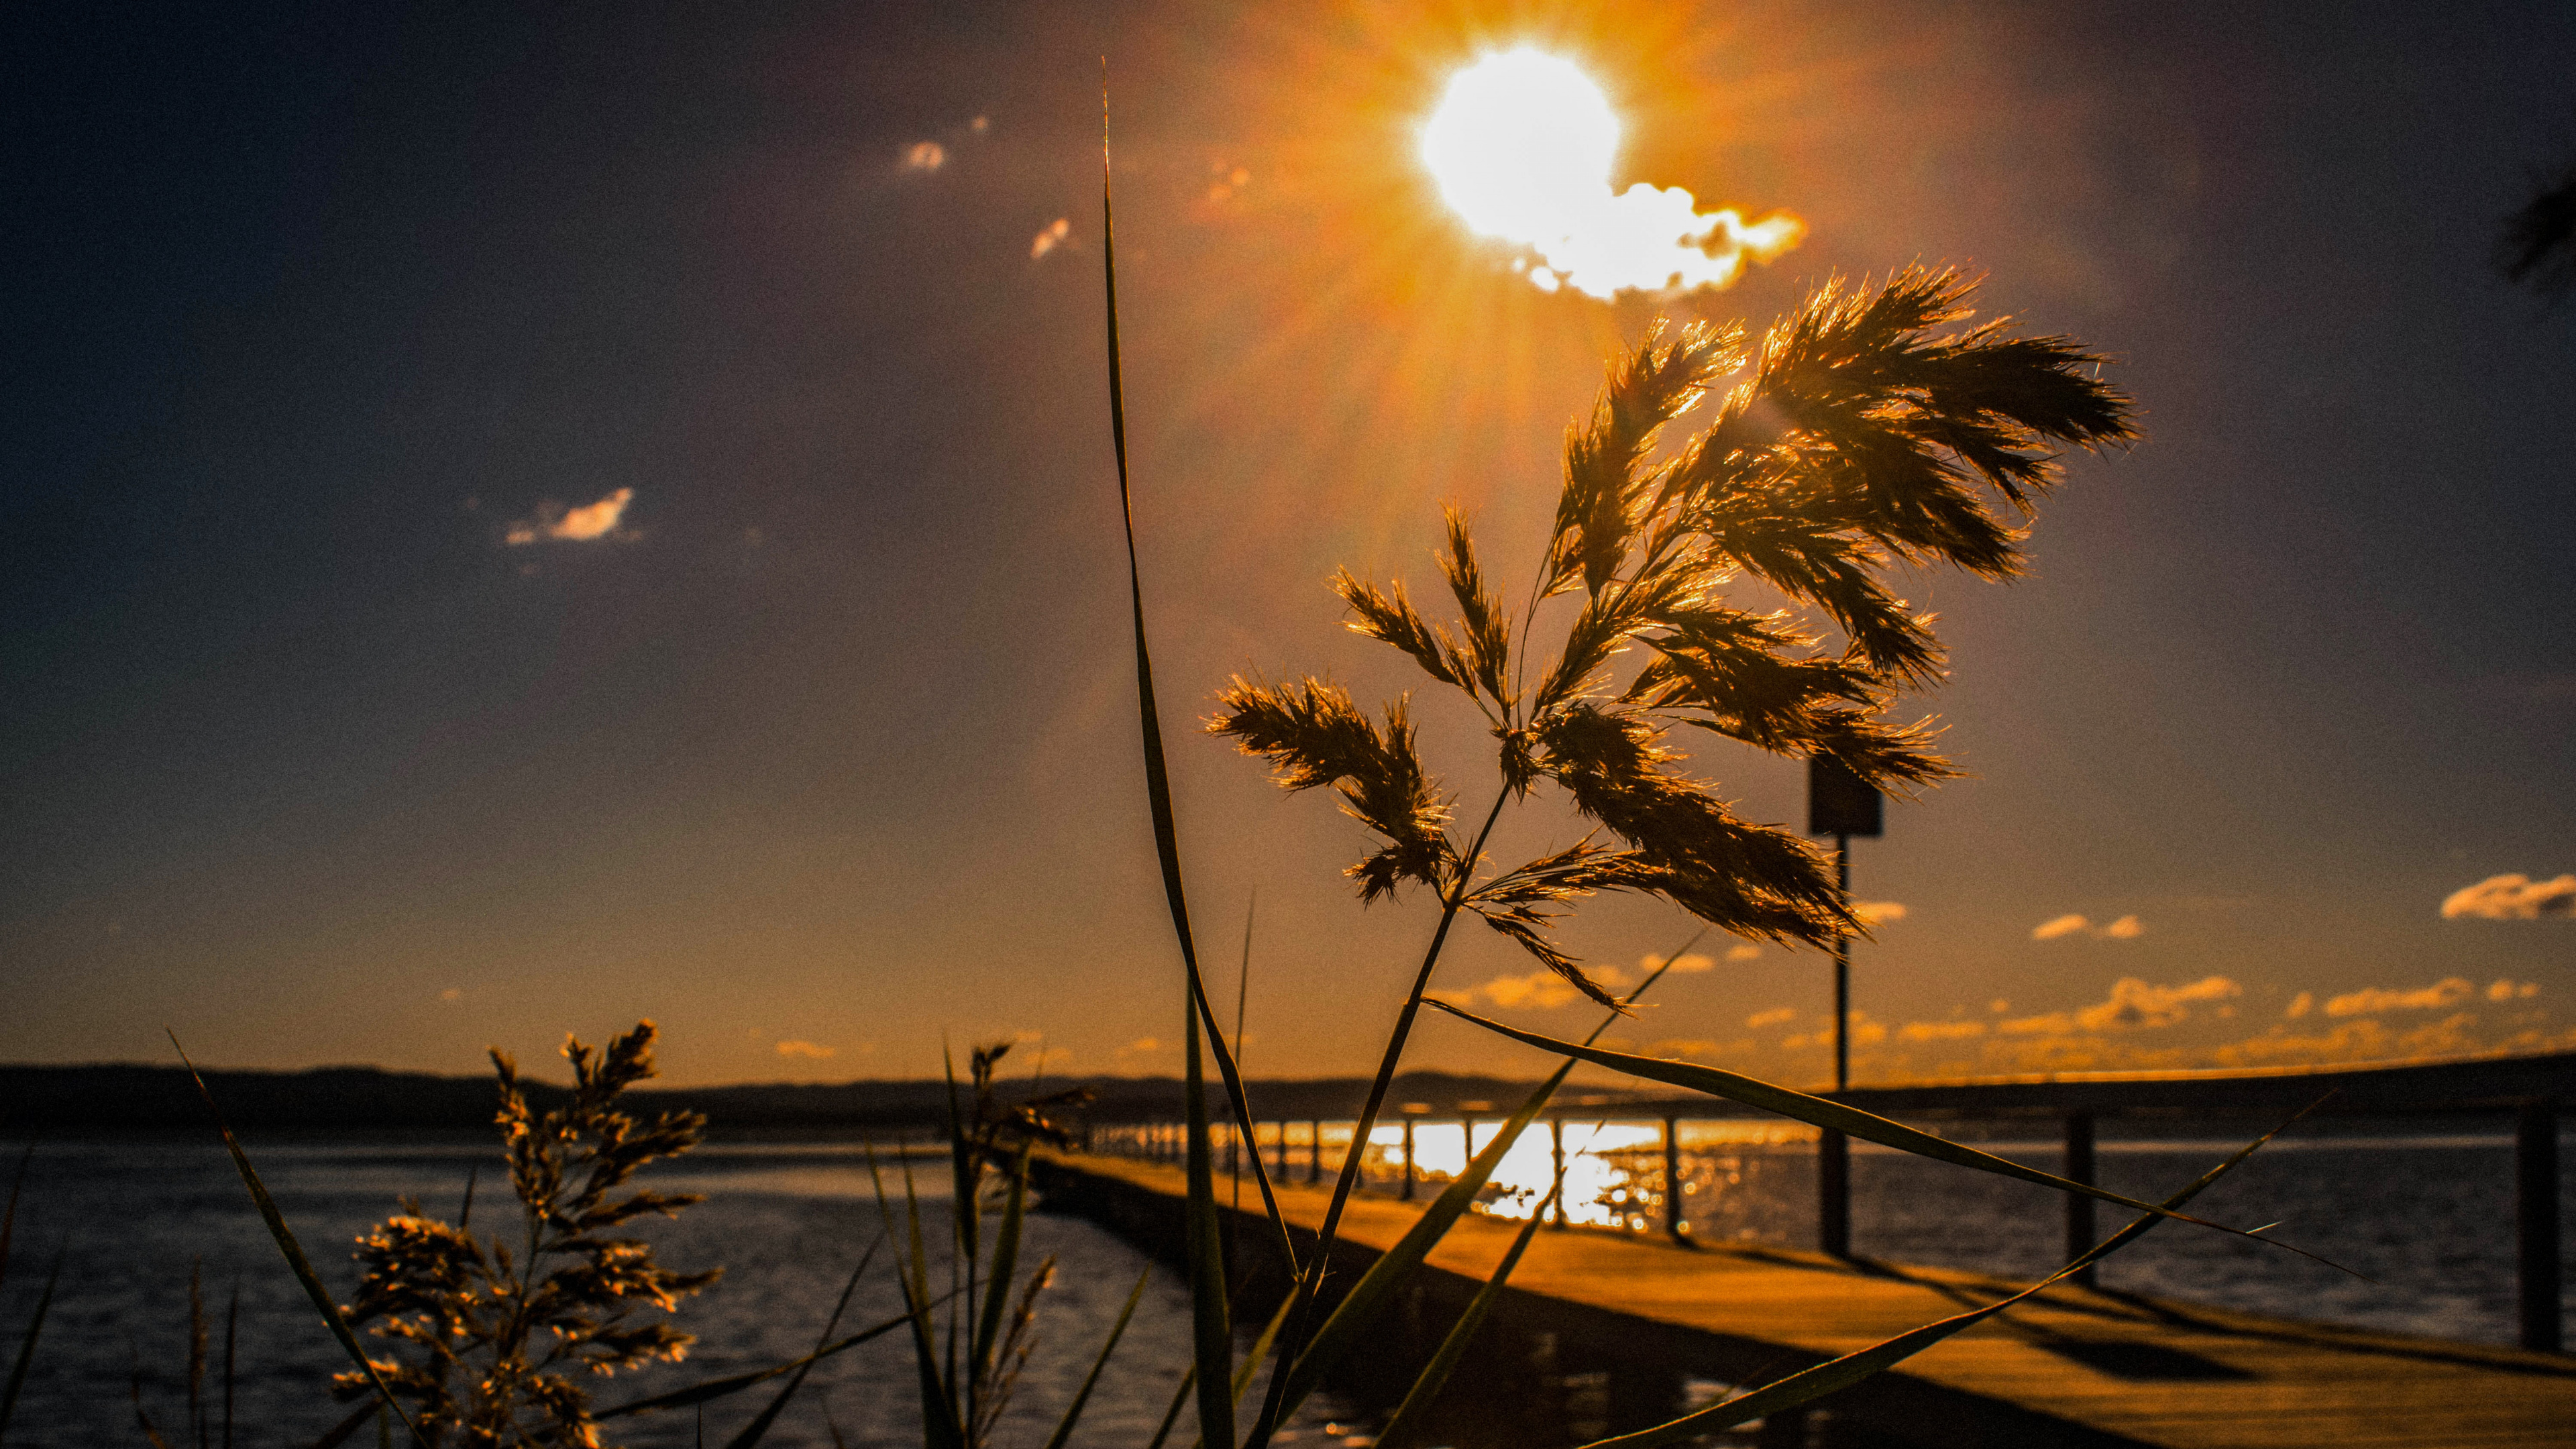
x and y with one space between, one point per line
57 1100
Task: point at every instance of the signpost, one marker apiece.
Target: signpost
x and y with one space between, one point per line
1843 805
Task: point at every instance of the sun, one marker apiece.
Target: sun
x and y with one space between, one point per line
1522 145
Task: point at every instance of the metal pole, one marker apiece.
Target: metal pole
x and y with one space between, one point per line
2535 1220
1673 1220
1833 1151
2079 1208
1408 1160
1314 1152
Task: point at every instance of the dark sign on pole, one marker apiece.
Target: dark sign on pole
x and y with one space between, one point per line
1840 802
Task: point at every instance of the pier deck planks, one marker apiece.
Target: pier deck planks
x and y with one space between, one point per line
2253 1382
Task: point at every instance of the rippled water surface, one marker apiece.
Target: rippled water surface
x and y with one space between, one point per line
2428 1216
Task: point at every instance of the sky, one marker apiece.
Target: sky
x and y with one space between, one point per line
513 522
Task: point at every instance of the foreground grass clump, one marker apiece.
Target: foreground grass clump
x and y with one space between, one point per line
502 1340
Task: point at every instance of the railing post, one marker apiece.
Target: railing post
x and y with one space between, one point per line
2079 1208
1315 1152
1833 1194
1674 1222
2535 1215
1407 1194
1556 1159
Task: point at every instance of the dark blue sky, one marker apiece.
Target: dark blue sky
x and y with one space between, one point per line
825 741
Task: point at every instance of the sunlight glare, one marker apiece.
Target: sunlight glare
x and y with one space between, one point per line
1521 147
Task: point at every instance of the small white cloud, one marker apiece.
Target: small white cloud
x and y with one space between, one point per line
805 1049
451 994
1746 952
2127 928
1773 1017
1941 1030
2062 926
925 156
577 525
1056 233
1878 913
2513 898
2301 1005
980 125
2506 990
1540 990
2370 1002
1999 1006
2133 1003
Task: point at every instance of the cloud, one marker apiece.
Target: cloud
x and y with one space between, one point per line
925 156
2127 928
1773 1017
1540 990
1056 233
1747 952
2133 1003
1941 1030
2301 1005
1689 963
2506 990
578 525
455 994
1998 1006
2513 898
1878 913
2448 991
806 1049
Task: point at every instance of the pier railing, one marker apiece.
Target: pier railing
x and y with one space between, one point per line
2527 1091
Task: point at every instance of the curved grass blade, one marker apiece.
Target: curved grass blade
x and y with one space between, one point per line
9 1218
759 1426
27 1348
1211 1326
1158 777
1435 1375
714 1389
1082 1396
332 1317
1851 1121
940 1428
1825 1378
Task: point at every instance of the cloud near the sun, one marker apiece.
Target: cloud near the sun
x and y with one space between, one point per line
1540 990
814 1050
2132 1004
2513 898
572 525
2126 928
1056 233
2449 991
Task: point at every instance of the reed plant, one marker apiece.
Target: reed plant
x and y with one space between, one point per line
1875 427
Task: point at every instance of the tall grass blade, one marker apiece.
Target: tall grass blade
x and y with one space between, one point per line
940 1428
1211 1328
1851 1121
27 1348
9 1218
966 1173
714 1389
332 1317
1158 778
198 1336
1825 1378
1288 1390
1172 1415
1006 1261
232 1341
752 1432
1082 1396
1407 1423
342 1432
1376 1291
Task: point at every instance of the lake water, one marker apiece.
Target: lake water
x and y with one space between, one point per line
2426 1215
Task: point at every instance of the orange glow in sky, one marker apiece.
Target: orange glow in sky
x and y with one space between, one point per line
1522 146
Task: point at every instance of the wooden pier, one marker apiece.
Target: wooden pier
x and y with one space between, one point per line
2073 1367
